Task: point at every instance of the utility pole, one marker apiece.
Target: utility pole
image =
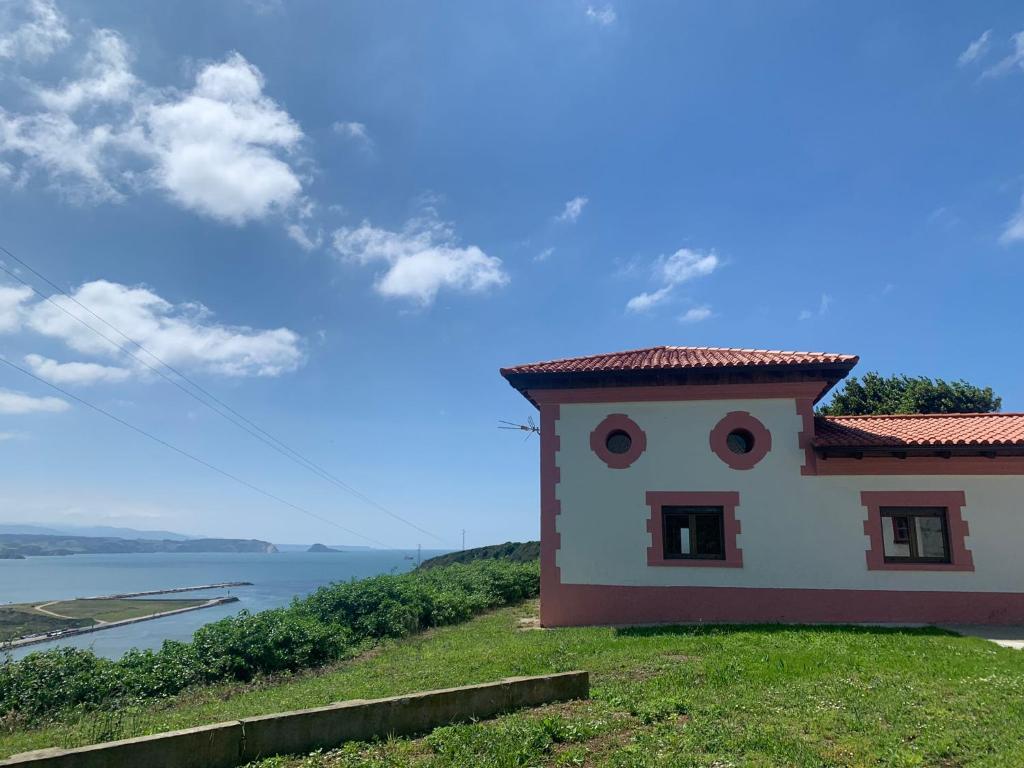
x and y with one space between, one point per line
463 539
418 546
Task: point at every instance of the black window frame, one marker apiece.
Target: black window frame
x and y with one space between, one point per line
912 514
692 512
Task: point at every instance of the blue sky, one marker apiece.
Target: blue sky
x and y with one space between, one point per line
342 218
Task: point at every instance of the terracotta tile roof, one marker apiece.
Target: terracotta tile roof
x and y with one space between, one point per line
678 358
909 430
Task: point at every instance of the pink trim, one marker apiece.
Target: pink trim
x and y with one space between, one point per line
802 389
961 558
550 508
581 604
921 465
618 422
740 420
727 500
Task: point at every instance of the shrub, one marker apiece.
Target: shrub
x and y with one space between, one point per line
312 631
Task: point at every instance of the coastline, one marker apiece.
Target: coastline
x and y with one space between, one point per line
62 634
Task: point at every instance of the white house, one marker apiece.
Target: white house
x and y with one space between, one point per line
696 484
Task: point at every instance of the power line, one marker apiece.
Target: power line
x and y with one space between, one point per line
239 421
188 455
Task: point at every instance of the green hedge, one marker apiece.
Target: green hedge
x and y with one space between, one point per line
312 631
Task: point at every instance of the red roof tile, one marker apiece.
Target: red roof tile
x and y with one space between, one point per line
909 430
678 358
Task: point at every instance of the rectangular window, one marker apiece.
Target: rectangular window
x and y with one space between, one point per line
693 533
915 535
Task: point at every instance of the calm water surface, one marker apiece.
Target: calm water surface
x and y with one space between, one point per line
276 578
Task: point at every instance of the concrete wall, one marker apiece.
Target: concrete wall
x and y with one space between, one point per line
798 531
238 742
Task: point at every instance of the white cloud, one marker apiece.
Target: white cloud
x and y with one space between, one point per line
34 37
605 16
644 301
11 301
685 265
75 373
975 50
544 255
106 76
695 315
682 266
220 149
1015 59
4 436
823 306
182 335
1014 230
215 146
573 209
355 131
421 259
18 403
308 241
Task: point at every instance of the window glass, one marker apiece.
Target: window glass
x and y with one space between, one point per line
740 441
694 532
618 442
930 539
915 534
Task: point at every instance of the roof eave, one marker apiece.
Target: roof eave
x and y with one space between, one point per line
829 373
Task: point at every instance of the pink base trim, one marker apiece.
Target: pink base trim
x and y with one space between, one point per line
582 604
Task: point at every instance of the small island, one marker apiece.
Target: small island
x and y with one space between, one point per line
322 548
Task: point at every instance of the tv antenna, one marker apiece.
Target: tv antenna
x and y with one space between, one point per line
530 427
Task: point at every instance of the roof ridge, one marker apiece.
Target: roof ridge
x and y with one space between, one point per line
662 347
750 349
920 415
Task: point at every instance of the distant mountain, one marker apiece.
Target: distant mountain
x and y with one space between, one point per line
321 548
17 545
106 531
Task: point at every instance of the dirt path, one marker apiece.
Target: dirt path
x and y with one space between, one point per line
42 609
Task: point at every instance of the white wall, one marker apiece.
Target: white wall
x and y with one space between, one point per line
798 531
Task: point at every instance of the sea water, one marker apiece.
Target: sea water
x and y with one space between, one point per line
276 579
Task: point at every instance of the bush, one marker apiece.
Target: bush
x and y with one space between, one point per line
311 632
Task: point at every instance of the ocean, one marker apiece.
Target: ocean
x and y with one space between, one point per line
276 579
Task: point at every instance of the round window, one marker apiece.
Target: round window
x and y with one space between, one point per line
618 442
740 441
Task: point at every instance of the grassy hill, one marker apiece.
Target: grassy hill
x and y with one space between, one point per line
701 696
517 552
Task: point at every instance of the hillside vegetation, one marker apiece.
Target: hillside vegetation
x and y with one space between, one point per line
515 551
334 622
751 696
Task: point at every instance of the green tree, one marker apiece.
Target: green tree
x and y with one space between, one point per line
876 394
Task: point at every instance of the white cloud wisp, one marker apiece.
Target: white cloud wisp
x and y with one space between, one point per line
681 267
421 259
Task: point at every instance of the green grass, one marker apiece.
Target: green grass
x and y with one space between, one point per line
683 696
117 609
18 620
